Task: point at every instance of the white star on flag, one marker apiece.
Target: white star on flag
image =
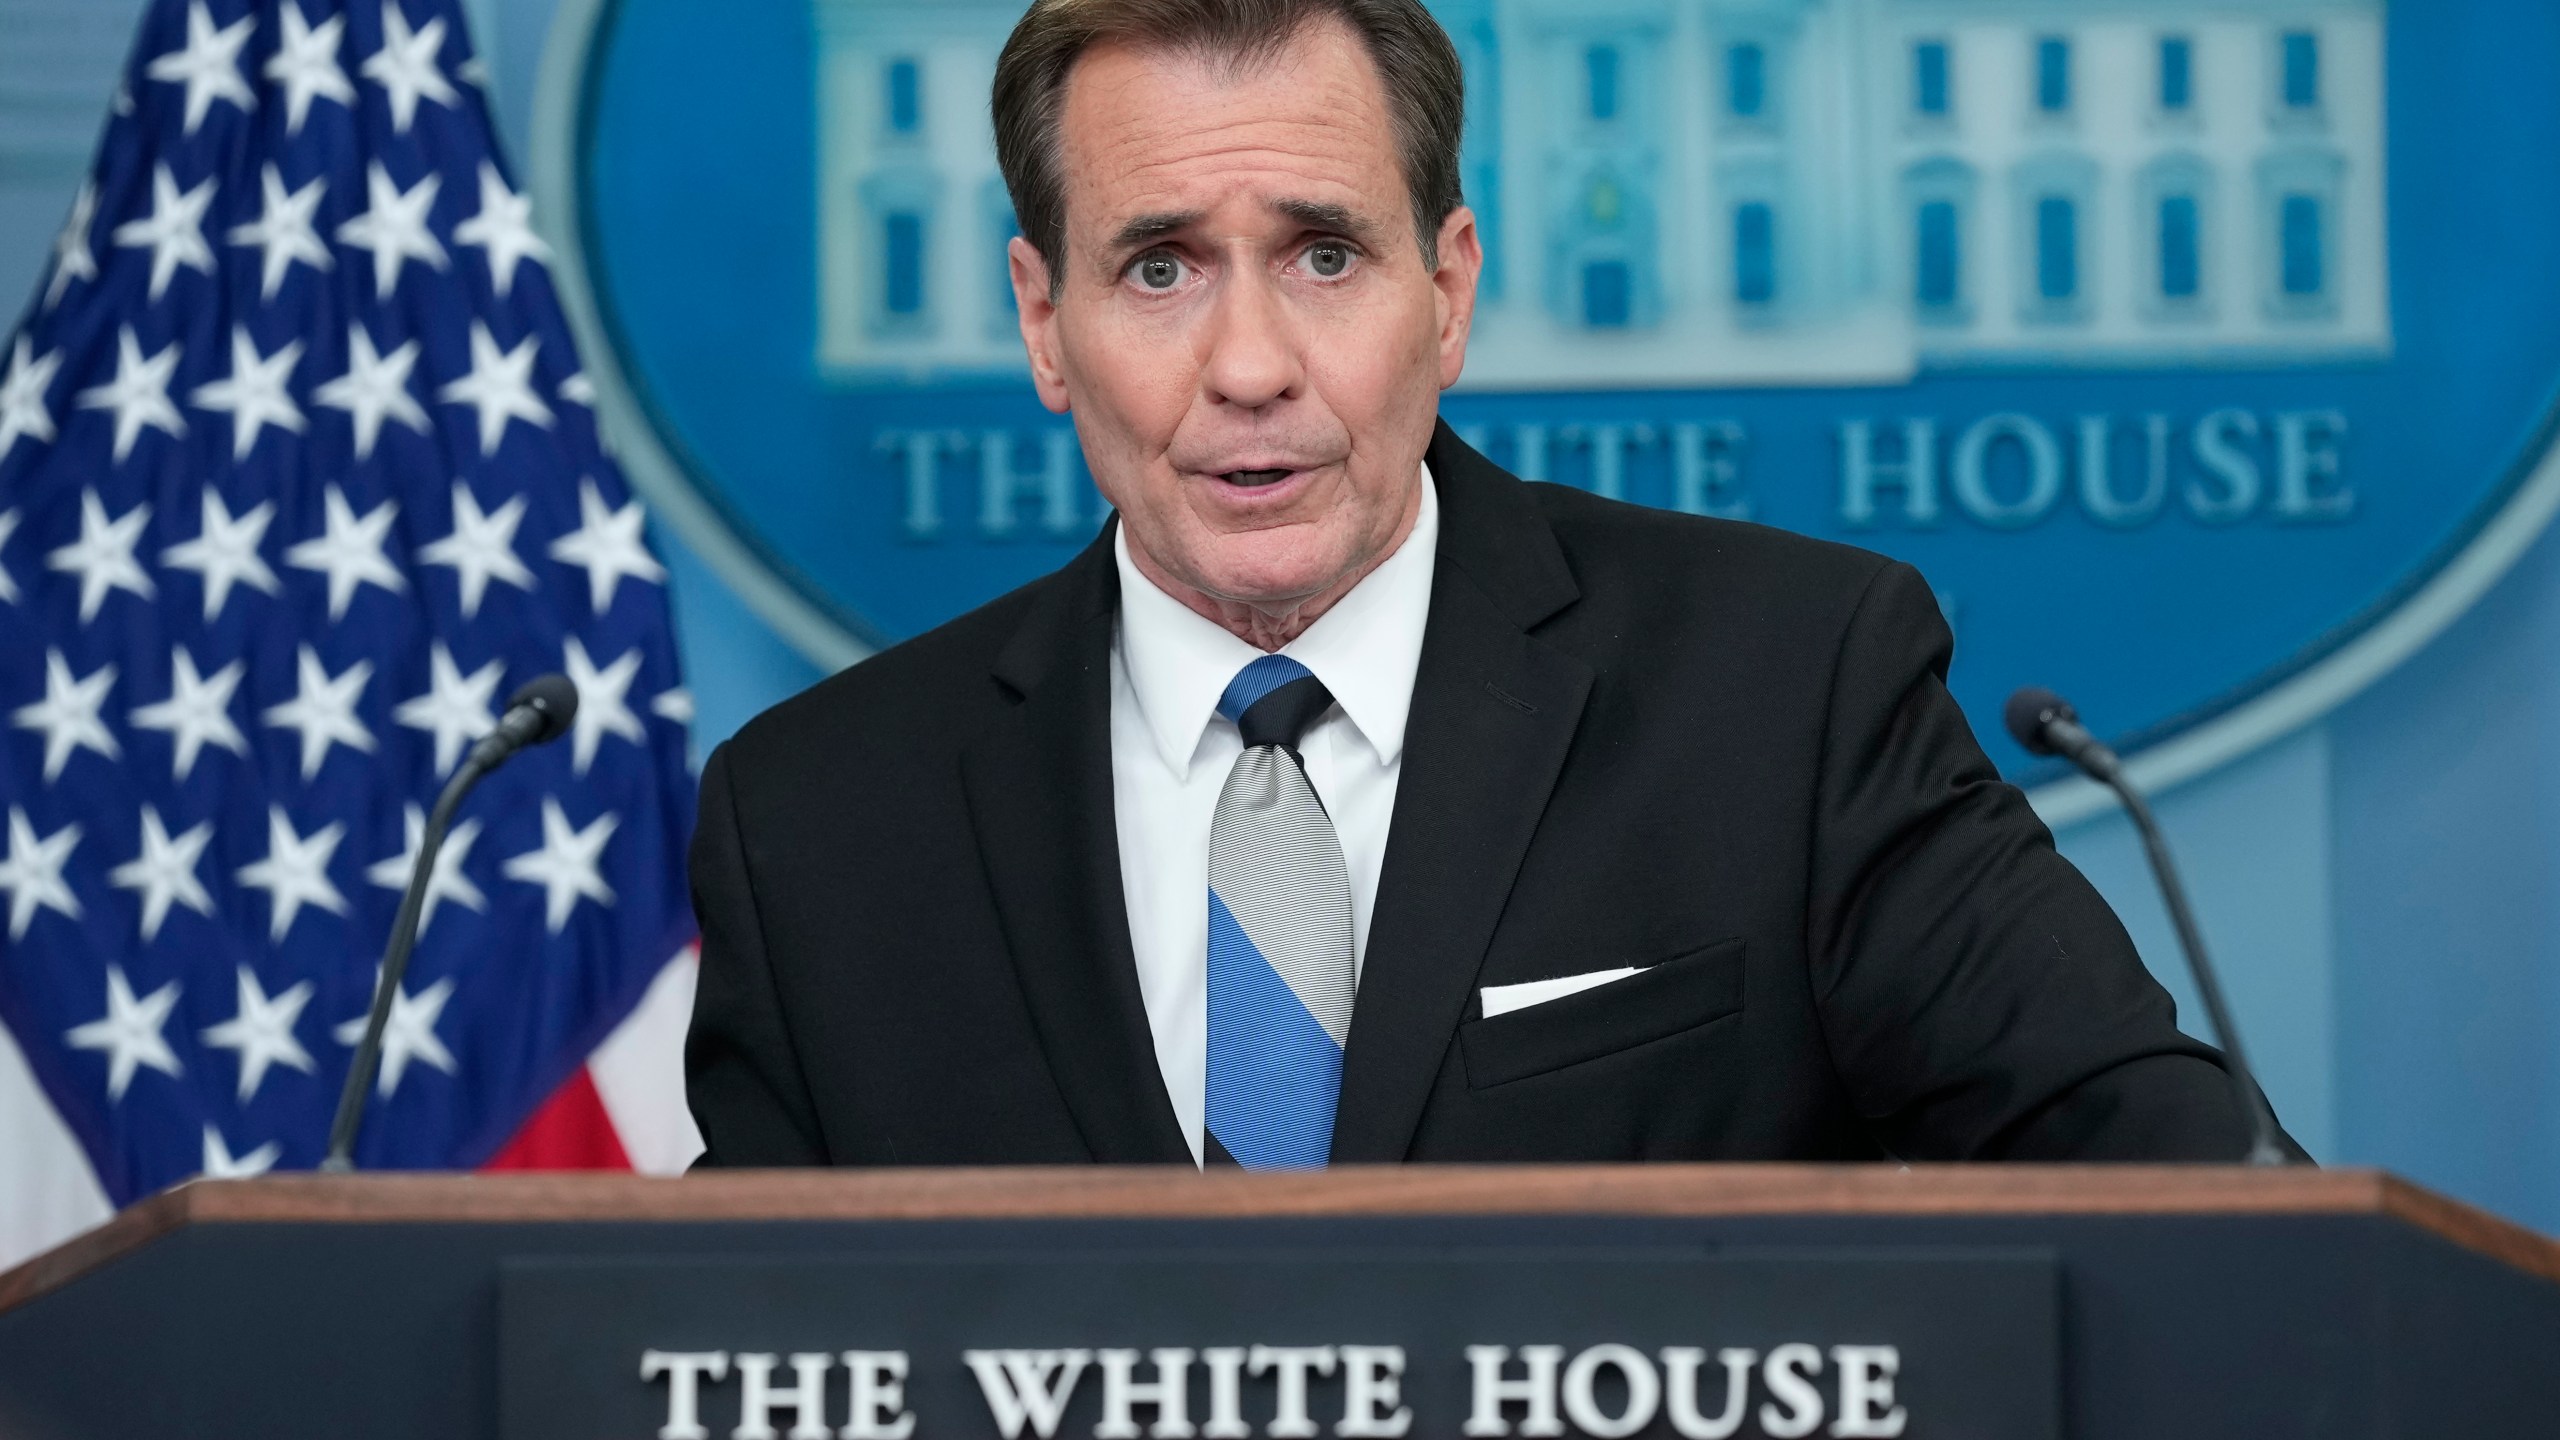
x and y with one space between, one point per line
209 66
197 712
22 408
262 1031
296 871
565 867
139 394
8 527
306 65
607 545
445 880
68 714
676 705
481 548
455 708
324 710
395 227
72 257
283 233
503 229
32 872
349 550
256 392
165 872
174 230
375 388
602 710
405 66
225 551
499 386
130 1033
103 555
221 1164
409 1035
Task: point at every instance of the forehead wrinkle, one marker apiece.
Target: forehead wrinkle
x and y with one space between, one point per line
1229 168
1131 148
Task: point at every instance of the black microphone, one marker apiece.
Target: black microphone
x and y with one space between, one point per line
2046 724
539 711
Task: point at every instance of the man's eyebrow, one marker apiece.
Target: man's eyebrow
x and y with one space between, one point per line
1143 230
1334 219
1146 229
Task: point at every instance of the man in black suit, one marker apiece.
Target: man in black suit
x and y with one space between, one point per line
1350 799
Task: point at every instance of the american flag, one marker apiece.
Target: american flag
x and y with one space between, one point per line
298 480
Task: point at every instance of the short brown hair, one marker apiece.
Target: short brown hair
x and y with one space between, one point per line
1426 89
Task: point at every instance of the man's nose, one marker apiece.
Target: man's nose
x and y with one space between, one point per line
1252 358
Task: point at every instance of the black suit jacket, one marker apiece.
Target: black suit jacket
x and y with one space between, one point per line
1719 752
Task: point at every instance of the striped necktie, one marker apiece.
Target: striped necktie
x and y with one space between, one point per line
1280 975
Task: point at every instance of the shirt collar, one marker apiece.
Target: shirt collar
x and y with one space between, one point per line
1366 649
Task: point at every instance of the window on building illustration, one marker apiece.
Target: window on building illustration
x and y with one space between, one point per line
2057 248
1755 260
902 276
2177 74
2301 70
2180 264
1746 80
1929 77
906 97
2053 75
1600 66
1608 298
2302 265
1939 259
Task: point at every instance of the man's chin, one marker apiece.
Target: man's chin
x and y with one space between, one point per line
1270 583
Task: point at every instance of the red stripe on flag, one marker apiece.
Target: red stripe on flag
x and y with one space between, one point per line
572 1131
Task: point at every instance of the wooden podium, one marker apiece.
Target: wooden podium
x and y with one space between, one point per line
1660 1300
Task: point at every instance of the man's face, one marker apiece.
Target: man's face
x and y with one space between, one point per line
1245 329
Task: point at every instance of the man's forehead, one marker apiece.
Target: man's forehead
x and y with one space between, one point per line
1150 132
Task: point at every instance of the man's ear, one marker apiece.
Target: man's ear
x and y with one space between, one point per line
1461 262
1038 315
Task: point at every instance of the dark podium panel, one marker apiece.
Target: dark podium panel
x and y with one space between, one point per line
1694 1301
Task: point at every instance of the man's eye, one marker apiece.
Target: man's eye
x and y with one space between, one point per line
1158 272
1328 261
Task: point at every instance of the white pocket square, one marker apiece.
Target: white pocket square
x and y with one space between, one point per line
1503 999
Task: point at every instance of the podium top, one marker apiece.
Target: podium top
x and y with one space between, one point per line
1138 1192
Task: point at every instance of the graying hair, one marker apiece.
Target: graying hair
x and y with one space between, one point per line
1425 84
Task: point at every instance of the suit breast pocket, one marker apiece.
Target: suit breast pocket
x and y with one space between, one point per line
1661 1000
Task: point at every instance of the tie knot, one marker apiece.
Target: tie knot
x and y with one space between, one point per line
1273 701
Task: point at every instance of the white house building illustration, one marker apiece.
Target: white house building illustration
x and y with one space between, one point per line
1718 192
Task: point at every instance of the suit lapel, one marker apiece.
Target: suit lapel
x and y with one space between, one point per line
1494 711
1039 792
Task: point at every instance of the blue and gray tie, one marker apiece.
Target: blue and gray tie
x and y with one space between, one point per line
1280 975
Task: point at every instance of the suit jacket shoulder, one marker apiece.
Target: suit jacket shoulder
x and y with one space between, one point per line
1665 574
921 697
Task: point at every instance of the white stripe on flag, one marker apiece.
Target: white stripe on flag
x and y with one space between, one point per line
639 1074
47 1191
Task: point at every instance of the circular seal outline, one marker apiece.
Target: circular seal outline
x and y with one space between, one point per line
2283 699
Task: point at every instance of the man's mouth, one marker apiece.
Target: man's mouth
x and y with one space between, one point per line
1249 479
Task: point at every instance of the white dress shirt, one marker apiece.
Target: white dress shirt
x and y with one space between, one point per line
1171 751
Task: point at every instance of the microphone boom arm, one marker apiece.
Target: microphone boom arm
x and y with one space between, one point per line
2263 1149
395 963
2045 724
536 714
